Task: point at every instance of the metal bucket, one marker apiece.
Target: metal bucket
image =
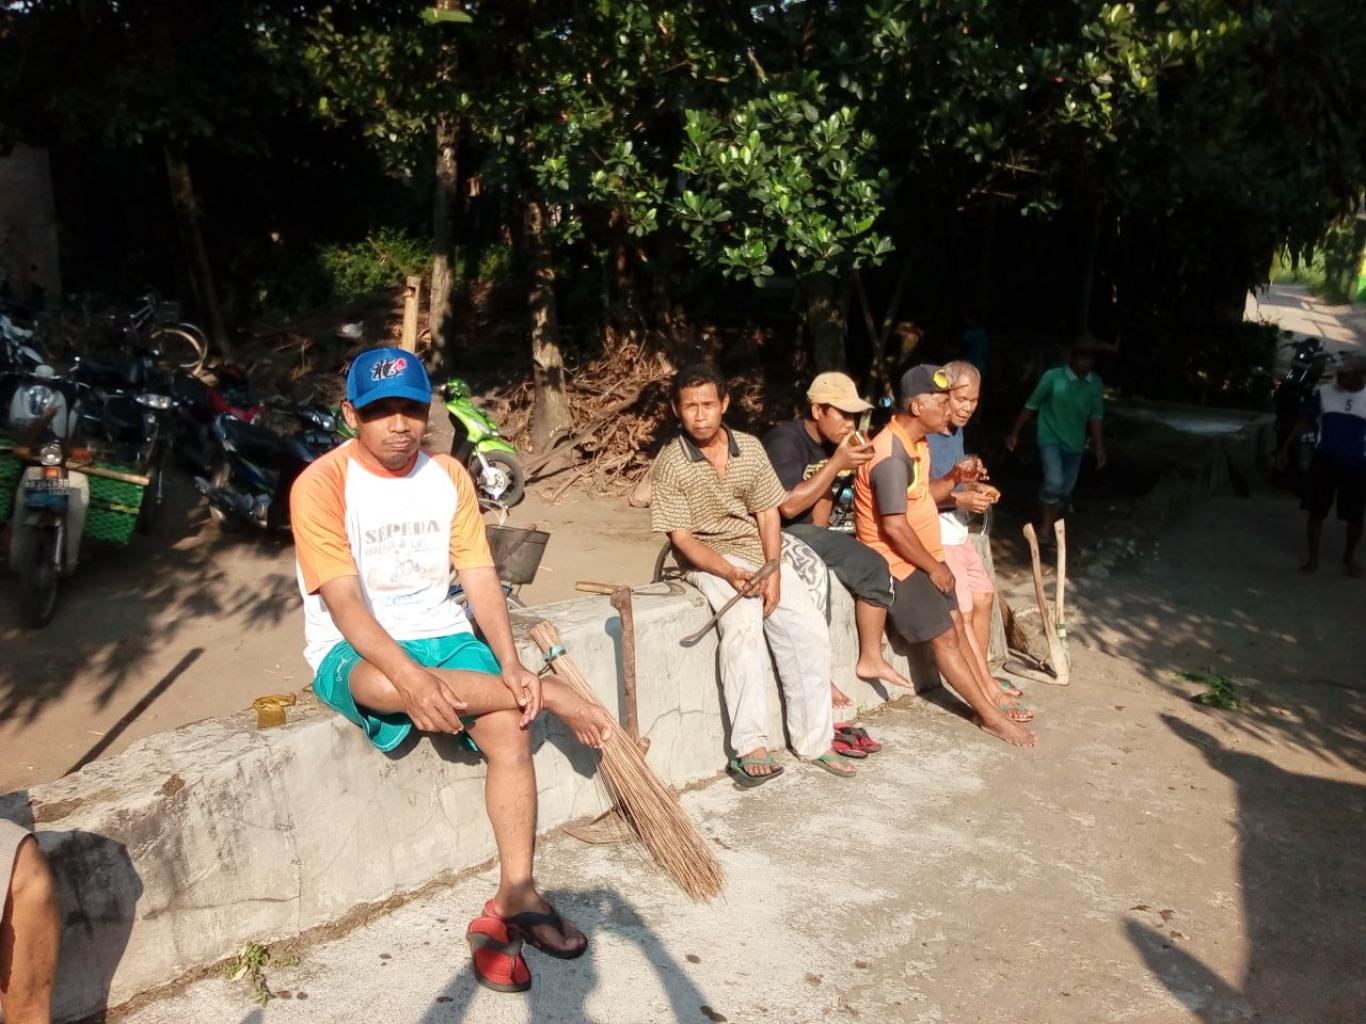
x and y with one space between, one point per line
516 553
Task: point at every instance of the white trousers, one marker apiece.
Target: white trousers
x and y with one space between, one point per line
800 640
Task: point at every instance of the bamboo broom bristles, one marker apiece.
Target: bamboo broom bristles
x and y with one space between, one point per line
649 806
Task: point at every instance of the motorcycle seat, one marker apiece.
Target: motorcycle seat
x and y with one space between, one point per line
253 442
123 370
122 419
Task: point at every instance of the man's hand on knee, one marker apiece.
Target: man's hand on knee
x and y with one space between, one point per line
429 701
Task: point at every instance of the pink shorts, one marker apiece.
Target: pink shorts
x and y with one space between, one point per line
969 574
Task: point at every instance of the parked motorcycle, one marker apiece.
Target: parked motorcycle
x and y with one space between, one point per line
1309 363
492 460
198 405
256 467
126 409
63 493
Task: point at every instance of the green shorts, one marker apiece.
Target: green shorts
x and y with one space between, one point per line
332 683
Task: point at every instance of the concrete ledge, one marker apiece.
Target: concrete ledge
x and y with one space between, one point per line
173 854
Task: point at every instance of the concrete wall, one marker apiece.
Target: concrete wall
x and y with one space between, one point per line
173 854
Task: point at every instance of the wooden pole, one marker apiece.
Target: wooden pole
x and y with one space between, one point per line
1056 657
412 299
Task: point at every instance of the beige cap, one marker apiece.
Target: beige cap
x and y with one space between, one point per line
836 389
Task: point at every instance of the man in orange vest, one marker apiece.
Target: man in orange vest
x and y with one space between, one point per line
896 513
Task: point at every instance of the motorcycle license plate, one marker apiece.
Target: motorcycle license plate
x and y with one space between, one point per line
319 439
57 486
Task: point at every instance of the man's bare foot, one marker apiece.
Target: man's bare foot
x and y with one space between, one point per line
1004 729
881 671
752 764
839 698
1354 569
1310 566
1008 688
559 938
588 721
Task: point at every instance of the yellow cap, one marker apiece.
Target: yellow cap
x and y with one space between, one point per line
836 389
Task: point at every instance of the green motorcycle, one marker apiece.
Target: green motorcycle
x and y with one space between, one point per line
492 461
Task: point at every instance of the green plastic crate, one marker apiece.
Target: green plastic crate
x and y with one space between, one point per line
115 492
10 471
113 513
111 525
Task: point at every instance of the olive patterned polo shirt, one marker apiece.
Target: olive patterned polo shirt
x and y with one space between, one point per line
688 494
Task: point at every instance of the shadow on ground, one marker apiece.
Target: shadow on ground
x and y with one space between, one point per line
564 997
125 605
1305 919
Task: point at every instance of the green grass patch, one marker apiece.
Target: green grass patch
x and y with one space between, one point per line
250 966
1221 692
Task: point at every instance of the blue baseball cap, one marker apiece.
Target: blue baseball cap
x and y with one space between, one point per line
387 373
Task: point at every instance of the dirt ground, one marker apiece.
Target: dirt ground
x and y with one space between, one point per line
1153 861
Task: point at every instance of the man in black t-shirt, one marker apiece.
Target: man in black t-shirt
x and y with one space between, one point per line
815 457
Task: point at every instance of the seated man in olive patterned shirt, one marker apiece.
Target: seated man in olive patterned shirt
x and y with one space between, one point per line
715 494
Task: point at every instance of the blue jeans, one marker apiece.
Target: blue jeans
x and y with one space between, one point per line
1060 469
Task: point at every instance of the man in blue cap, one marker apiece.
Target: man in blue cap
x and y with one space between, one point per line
379 525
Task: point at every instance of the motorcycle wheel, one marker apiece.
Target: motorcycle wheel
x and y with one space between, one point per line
149 512
510 467
222 477
38 581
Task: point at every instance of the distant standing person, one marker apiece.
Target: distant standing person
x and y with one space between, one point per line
1070 402
1339 466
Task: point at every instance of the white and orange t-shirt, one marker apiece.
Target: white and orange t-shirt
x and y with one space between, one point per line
400 534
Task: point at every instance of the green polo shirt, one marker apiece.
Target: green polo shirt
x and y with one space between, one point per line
1066 403
688 494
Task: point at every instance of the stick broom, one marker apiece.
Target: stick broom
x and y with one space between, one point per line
649 806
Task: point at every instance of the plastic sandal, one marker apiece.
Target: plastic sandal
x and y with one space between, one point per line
498 961
833 764
848 746
1016 711
736 770
858 734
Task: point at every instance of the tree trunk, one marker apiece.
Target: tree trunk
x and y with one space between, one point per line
1087 281
823 314
550 418
440 320
445 194
196 253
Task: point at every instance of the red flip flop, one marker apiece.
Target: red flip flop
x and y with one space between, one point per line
498 961
858 736
847 746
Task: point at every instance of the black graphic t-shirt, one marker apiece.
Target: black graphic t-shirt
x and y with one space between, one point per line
796 457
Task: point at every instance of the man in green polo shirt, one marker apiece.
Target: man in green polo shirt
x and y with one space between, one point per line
1070 401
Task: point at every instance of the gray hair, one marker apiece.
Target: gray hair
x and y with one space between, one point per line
960 371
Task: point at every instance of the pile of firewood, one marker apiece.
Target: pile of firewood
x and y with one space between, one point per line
619 403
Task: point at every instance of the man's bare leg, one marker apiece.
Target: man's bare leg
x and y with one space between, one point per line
981 671
948 656
1349 558
872 665
1313 534
978 622
29 934
510 783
